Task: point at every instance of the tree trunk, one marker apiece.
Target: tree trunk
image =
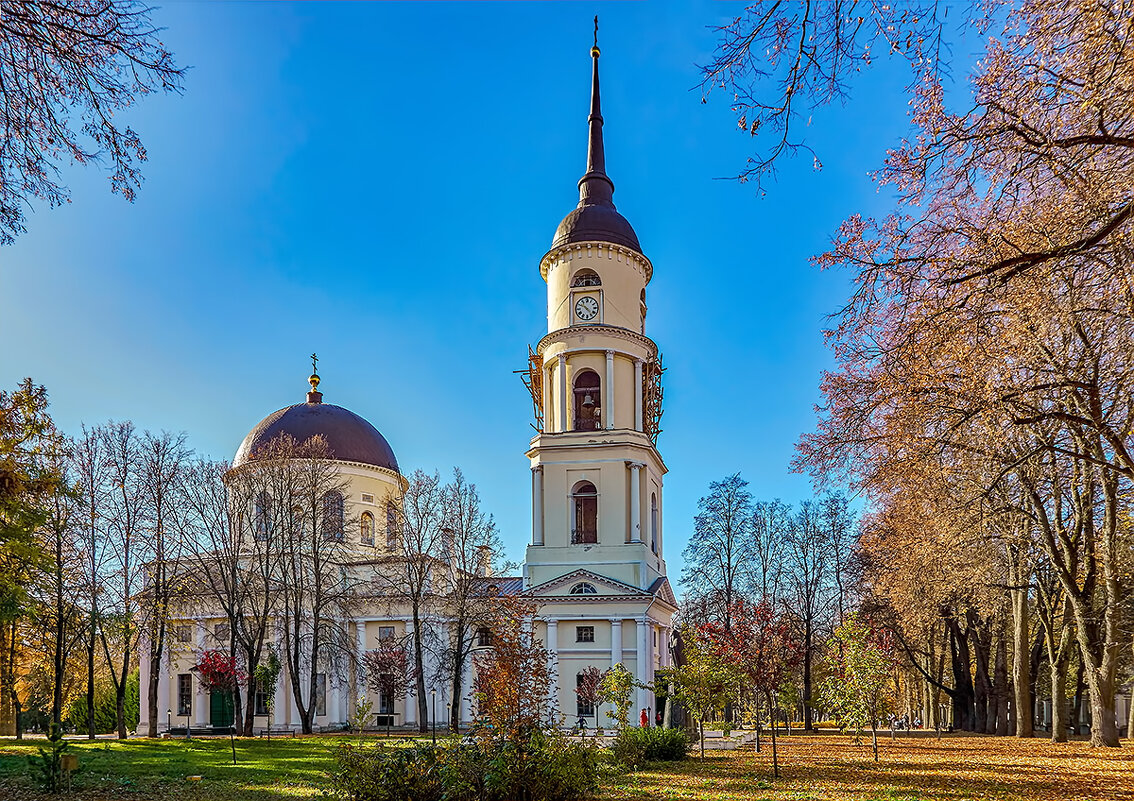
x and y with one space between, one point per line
963 694
8 714
1077 700
775 752
419 661
1002 689
874 737
92 636
807 654
1059 700
701 726
1022 683
155 673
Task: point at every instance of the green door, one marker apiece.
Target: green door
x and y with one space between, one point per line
220 709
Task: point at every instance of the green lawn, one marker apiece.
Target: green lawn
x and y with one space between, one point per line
157 769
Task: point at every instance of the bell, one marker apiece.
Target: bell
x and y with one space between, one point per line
588 401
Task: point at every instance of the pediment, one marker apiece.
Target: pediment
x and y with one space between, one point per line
662 589
604 587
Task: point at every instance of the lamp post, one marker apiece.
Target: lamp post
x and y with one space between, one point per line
434 694
168 720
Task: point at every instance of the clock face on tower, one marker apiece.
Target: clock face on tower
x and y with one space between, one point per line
586 308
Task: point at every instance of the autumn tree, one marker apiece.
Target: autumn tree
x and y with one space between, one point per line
616 687
67 71
703 683
513 678
390 673
587 686
864 660
26 481
989 334
763 648
470 553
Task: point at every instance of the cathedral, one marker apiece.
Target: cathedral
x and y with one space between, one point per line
594 568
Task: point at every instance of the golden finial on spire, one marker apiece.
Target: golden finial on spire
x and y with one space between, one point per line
314 396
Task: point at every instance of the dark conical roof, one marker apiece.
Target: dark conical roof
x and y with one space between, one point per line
595 219
350 438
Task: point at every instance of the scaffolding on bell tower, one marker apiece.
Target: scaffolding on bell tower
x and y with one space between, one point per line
652 394
533 380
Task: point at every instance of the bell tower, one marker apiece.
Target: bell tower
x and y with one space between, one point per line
595 379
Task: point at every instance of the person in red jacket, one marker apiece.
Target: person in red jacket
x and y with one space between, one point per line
645 720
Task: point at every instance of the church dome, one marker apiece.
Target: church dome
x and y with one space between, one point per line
596 223
350 438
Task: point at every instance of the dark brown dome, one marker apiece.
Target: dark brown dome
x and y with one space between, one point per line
596 224
350 437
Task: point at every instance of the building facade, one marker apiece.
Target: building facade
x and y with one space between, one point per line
594 568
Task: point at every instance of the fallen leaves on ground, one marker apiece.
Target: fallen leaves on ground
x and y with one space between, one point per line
915 767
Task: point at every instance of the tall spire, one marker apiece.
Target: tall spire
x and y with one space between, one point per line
595 188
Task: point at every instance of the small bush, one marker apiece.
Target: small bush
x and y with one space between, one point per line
545 766
634 746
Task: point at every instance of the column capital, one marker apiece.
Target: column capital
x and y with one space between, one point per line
537 468
610 353
635 465
617 621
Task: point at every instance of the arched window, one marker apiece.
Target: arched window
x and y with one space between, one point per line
654 521
333 516
483 637
391 525
586 278
588 387
583 588
584 507
262 516
367 528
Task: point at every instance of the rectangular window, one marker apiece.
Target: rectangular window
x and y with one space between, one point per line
583 708
385 632
220 633
184 694
320 693
367 498
385 697
584 634
182 634
261 701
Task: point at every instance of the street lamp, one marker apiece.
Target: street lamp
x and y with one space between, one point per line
168 720
434 694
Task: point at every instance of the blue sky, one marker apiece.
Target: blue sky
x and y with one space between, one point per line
378 181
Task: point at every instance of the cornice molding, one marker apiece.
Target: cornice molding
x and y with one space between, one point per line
605 330
596 249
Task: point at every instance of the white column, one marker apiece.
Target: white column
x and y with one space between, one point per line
163 704
615 641
610 389
635 502
143 685
410 717
642 666
358 690
638 426
563 424
537 505
334 692
553 657
201 698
